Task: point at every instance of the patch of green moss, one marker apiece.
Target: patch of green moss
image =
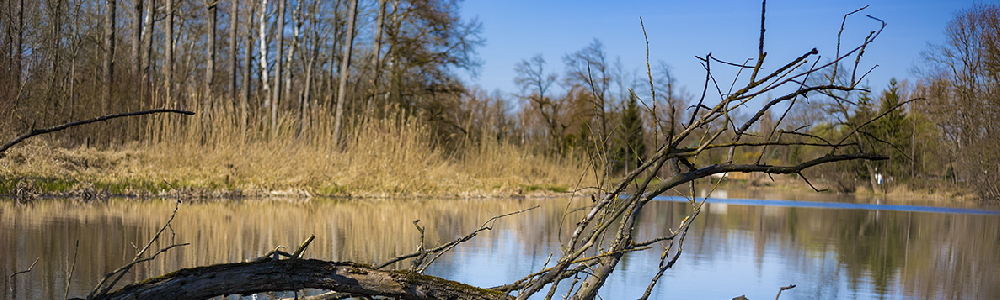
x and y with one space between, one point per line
332 189
41 185
546 187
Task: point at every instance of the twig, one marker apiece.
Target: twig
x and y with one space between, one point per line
447 247
782 289
35 132
809 183
13 283
72 267
138 258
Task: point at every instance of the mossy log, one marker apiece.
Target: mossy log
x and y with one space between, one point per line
295 274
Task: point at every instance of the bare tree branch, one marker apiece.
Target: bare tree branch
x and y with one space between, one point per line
36 132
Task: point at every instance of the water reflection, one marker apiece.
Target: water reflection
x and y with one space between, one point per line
732 250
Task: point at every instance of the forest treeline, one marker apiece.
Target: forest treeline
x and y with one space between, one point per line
351 75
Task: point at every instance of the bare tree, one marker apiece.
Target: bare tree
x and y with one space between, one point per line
345 70
211 8
234 11
137 31
248 45
965 71
533 80
168 63
109 52
263 57
276 98
147 46
376 57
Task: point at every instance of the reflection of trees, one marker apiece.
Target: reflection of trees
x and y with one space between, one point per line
355 230
929 255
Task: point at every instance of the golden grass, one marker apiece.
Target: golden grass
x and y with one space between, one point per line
212 154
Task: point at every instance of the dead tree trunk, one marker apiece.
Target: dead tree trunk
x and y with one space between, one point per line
296 274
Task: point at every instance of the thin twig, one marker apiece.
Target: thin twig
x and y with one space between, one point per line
448 246
13 282
72 267
138 258
782 289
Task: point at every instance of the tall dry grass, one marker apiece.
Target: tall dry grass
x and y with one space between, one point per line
216 151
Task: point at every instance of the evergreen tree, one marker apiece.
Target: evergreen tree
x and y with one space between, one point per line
633 147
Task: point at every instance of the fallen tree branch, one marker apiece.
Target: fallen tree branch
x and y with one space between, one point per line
295 274
782 289
440 250
102 289
62 127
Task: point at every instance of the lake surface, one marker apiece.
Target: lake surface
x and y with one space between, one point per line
868 249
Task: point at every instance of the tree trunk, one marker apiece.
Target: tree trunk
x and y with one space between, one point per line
296 39
109 53
147 51
19 43
266 86
333 53
168 63
297 274
276 99
247 74
54 60
376 58
210 65
233 52
136 62
345 66
304 120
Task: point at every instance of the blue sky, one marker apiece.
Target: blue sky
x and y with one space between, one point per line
680 30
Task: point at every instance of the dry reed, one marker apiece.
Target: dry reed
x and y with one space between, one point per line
215 153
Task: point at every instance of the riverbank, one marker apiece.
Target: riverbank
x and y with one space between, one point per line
388 167
393 165
928 191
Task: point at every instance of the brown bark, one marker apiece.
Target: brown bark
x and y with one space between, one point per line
296 274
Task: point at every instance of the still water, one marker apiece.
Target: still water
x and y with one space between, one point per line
830 251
